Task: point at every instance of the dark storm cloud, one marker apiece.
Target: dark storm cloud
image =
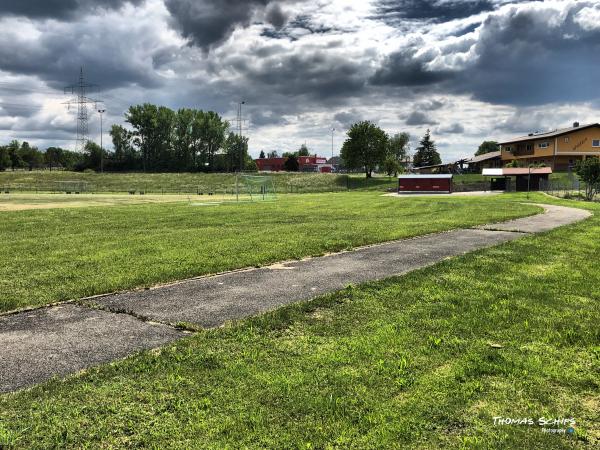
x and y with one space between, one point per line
454 128
419 118
394 12
208 22
276 16
57 9
55 57
519 58
403 68
522 60
347 118
318 75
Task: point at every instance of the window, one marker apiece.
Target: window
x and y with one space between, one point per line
567 139
595 142
543 145
529 147
508 148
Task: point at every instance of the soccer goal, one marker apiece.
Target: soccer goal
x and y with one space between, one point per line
255 188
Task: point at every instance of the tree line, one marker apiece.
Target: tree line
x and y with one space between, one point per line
186 140
159 140
369 148
22 156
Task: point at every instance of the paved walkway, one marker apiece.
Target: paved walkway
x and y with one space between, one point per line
58 340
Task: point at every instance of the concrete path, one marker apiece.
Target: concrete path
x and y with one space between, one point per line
58 340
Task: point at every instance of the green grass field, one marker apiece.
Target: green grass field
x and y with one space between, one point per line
221 183
425 360
50 255
187 182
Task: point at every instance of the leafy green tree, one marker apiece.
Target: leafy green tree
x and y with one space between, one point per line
236 149
397 152
32 158
365 147
14 152
262 154
183 139
125 156
291 164
391 166
92 156
52 156
426 153
273 154
487 147
5 162
303 151
588 171
213 135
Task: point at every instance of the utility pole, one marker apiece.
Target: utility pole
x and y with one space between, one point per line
101 111
82 101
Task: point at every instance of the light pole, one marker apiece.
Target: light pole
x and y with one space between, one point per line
101 111
240 126
332 131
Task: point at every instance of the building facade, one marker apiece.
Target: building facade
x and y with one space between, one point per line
559 149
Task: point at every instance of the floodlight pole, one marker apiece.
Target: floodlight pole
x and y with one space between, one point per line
101 111
240 126
332 131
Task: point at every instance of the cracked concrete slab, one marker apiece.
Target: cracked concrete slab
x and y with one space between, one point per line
39 344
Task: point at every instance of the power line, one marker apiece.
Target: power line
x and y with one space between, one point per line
82 101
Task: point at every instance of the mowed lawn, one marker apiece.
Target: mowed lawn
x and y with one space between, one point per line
426 360
59 254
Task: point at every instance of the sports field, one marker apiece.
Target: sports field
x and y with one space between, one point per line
52 253
426 360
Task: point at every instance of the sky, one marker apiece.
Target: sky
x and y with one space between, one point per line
468 70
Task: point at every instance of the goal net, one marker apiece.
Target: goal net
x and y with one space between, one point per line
256 188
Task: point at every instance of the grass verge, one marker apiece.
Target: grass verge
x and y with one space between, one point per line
425 360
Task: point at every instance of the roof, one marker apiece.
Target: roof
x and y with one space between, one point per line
508 171
485 157
550 134
425 176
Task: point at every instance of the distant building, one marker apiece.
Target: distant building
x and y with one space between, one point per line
489 160
270 164
559 149
305 163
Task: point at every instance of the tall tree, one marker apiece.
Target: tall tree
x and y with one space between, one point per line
262 154
273 154
365 147
588 171
426 153
487 147
14 152
124 153
183 139
303 151
291 164
5 162
397 152
236 149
